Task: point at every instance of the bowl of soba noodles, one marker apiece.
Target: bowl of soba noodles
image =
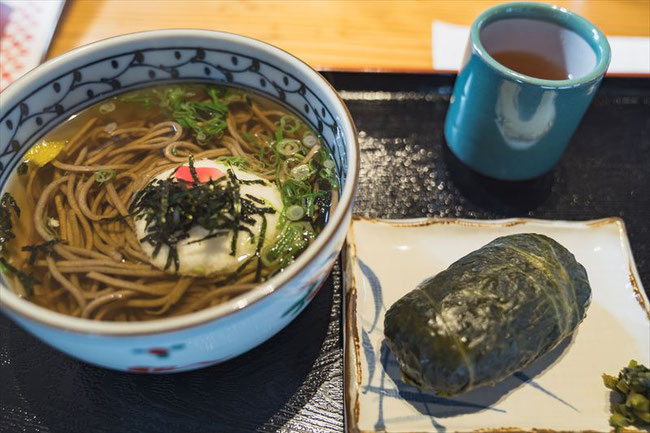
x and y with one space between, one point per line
170 199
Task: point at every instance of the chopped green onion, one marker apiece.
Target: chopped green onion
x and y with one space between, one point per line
279 136
248 137
206 119
295 212
288 147
102 176
309 140
328 164
235 161
110 127
234 96
301 172
293 239
107 108
289 124
328 175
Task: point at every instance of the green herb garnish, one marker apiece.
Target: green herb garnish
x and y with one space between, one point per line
172 208
294 238
7 206
262 147
145 98
327 171
289 124
234 161
282 153
304 205
633 386
205 117
300 193
279 135
102 176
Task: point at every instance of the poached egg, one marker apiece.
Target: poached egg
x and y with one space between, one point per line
211 257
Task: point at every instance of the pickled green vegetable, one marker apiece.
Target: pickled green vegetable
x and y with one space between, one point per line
633 386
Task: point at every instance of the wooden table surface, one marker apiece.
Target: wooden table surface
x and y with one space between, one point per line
330 35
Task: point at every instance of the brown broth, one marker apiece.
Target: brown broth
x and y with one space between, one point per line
48 292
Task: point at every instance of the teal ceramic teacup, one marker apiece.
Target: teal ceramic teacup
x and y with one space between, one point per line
512 126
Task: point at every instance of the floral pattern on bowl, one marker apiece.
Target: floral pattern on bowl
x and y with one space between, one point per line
38 112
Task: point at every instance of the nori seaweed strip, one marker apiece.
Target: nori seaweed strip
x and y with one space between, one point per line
251 182
7 206
28 281
255 199
237 212
260 243
195 176
171 209
38 248
488 315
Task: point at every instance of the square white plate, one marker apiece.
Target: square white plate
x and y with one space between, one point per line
562 391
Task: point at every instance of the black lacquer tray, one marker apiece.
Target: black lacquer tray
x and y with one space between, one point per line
294 382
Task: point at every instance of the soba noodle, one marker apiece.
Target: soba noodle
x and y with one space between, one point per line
80 246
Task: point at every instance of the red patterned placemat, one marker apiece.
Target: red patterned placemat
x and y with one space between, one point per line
26 29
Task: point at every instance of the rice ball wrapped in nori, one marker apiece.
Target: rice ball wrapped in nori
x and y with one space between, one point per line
488 315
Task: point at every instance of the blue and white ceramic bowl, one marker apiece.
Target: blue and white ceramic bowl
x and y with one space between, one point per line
52 92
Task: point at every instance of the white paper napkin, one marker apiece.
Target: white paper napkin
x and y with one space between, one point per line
630 54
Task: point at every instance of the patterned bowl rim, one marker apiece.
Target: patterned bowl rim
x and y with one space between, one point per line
43 316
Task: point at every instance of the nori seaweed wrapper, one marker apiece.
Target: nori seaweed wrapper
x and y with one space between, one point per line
488 315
